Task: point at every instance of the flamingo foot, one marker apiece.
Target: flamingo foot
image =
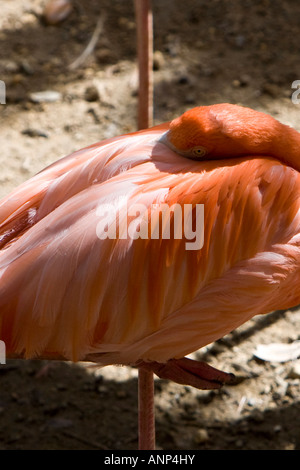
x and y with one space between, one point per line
189 372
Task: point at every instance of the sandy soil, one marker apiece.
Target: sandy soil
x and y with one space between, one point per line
244 52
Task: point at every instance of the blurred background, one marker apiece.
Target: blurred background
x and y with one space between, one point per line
57 101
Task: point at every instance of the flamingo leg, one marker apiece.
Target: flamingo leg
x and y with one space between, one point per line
144 20
145 61
184 371
189 372
146 410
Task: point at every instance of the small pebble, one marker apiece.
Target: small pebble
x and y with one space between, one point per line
294 372
48 96
239 443
158 60
35 132
236 83
11 66
201 436
26 67
102 389
91 93
57 11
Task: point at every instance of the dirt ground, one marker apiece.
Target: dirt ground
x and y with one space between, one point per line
244 52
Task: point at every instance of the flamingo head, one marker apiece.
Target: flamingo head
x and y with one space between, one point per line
224 131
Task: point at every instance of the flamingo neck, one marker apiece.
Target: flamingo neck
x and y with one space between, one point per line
286 147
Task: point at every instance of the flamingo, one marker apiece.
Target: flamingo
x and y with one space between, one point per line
68 291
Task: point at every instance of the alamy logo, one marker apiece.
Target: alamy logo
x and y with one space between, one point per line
2 92
294 98
2 353
159 221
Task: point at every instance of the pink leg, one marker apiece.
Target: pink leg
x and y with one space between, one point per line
143 9
189 372
144 19
146 410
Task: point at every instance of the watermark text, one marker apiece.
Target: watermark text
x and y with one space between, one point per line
294 97
159 221
2 92
2 352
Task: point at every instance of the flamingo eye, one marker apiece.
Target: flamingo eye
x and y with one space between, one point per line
199 152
